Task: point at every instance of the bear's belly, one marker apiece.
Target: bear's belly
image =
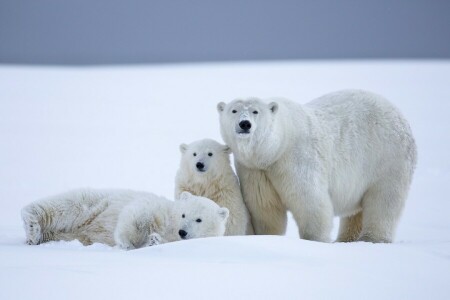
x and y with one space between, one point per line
345 207
346 199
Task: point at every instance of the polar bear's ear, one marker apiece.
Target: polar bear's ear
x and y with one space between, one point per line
273 106
221 106
183 148
227 149
224 213
185 195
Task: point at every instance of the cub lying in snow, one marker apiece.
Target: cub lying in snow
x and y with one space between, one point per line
129 219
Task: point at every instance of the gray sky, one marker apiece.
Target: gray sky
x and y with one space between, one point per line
118 32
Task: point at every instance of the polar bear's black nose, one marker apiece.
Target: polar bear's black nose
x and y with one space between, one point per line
200 166
182 233
245 125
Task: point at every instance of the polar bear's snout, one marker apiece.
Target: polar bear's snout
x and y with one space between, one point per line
200 166
245 126
182 233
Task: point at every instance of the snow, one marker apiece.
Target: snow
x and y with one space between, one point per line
120 127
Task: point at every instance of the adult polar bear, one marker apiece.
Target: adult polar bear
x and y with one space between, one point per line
349 154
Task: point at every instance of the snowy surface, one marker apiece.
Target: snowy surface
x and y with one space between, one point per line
120 127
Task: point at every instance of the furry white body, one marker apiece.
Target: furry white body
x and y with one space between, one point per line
349 154
216 181
126 218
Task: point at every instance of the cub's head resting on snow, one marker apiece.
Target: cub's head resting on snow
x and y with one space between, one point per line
204 158
200 217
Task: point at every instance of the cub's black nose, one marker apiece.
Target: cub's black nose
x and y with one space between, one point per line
200 166
182 233
245 125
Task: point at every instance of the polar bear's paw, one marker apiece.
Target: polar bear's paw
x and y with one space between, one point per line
33 232
154 239
370 238
125 245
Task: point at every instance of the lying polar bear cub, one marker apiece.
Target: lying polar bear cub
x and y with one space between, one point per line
129 219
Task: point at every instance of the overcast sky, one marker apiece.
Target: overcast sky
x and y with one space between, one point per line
117 32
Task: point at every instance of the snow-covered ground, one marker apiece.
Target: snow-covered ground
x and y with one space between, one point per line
120 127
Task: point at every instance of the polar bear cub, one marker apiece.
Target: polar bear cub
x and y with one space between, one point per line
205 171
349 154
126 218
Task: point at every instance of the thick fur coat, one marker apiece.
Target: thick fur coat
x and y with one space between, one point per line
349 154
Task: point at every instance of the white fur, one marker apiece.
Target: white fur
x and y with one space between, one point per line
129 219
349 154
215 181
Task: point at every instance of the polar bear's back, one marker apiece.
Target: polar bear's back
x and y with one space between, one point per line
358 120
364 139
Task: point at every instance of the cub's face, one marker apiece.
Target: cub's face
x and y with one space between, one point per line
205 157
243 118
200 217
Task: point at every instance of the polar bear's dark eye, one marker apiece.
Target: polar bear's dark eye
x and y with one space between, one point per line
182 215
234 111
195 154
209 154
198 220
255 112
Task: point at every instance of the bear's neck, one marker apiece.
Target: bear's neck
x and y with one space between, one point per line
260 152
264 149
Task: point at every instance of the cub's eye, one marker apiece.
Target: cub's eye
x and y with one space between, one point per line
255 112
234 111
182 215
198 220
195 154
209 154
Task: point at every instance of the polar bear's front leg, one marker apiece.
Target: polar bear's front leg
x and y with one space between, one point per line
313 213
137 227
136 239
268 215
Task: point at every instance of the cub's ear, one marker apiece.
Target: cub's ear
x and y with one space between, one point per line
224 213
183 148
226 149
221 106
273 106
185 195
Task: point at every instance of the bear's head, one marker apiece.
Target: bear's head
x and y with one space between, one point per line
253 130
200 217
204 157
246 118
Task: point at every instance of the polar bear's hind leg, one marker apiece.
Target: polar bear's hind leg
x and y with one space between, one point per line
350 228
382 206
31 225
